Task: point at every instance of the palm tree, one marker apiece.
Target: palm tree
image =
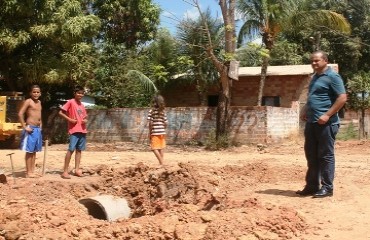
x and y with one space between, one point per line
147 83
194 44
268 18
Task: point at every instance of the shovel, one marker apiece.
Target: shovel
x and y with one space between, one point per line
11 162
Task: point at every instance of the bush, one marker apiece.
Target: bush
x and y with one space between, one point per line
216 144
348 133
60 137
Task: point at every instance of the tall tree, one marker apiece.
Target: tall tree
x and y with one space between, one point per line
250 55
131 22
46 41
222 64
112 86
267 18
356 46
162 57
359 94
126 26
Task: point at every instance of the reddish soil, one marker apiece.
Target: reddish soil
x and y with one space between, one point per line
242 193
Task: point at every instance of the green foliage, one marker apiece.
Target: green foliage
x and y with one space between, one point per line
214 143
55 43
228 57
129 22
269 18
163 59
355 47
341 47
285 53
139 76
250 55
59 137
316 19
194 46
58 44
262 17
35 37
81 60
112 87
193 143
359 91
347 133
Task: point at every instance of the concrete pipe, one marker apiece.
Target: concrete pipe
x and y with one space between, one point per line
107 207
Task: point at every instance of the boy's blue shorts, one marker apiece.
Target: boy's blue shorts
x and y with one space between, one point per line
31 142
77 141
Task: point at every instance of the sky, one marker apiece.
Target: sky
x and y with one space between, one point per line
173 11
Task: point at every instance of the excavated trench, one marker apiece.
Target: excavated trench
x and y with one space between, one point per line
139 202
140 191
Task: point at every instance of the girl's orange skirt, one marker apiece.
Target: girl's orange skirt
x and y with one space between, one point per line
157 141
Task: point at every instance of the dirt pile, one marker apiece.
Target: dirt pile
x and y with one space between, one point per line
182 202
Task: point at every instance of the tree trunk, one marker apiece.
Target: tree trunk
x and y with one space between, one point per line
202 96
223 119
228 15
264 66
362 134
10 81
201 90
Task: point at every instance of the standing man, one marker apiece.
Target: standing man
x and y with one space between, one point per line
326 96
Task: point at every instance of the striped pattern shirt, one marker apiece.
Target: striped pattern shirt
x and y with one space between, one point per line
157 121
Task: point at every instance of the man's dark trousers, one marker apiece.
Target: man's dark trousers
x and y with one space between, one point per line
319 151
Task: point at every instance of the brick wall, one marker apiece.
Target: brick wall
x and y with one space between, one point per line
245 91
288 88
248 125
282 122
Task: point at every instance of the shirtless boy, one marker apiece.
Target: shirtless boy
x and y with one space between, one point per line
31 139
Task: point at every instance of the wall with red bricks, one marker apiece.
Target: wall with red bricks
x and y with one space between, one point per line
245 91
186 124
288 88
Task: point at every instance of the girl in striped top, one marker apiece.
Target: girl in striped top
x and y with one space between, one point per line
157 127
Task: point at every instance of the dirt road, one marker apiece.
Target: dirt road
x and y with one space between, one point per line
241 193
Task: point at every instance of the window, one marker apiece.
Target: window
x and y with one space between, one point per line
271 101
212 100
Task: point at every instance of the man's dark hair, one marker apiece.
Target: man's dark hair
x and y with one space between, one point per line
323 54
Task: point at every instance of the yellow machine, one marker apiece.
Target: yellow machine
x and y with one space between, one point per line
10 127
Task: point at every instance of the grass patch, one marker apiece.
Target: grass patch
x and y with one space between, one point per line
347 133
213 144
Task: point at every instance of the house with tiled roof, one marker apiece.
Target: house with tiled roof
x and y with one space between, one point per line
283 85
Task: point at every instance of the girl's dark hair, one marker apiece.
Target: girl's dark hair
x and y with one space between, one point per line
158 102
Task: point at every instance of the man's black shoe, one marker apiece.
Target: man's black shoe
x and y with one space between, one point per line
323 193
306 192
